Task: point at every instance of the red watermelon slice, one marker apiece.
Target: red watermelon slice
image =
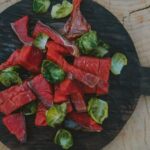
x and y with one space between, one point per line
15 123
20 27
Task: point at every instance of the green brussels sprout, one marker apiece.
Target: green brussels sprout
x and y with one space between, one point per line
30 109
64 139
10 76
41 6
61 10
98 110
87 42
99 52
56 114
119 60
41 41
52 72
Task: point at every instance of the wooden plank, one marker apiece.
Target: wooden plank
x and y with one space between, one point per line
135 15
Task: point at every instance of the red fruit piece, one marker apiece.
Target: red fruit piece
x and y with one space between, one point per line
15 123
42 28
30 58
78 101
68 88
20 27
87 78
99 67
85 121
53 46
63 90
69 107
11 61
15 97
76 24
42 89
40 119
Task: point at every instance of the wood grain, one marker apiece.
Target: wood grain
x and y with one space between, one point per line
135 16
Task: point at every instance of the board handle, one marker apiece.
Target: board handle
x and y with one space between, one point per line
145 82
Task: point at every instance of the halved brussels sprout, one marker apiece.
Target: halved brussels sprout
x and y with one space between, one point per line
61 10
87 42
41 41
119 60
30 109
98 110
10 76
56 114
100 52
52 72
64 139
41 6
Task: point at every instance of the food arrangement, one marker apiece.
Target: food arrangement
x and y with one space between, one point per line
58 90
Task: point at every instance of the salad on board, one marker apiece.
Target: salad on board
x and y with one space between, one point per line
57 88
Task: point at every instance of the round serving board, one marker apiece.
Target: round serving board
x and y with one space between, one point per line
124 89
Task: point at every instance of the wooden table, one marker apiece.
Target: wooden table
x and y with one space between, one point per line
135 16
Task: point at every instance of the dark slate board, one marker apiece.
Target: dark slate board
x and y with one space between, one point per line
124 89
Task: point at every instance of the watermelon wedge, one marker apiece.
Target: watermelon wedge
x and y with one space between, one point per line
56 37
40 119
20 27
42 89
15 123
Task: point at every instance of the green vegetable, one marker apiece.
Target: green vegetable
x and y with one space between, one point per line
10 76
99 52
30 109
64 139
119 60
41 6
87 42
56 114
41 41
61 10
52 72
98 110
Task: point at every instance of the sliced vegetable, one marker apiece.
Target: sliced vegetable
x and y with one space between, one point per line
41 41
52 72
61 10
10 76
41 6
87 42
119 60
64 139
56 114
99 52
98 110
30 109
